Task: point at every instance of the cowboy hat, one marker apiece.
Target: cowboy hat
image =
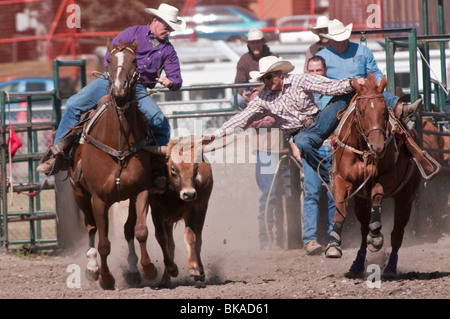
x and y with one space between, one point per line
255 35
271 64
321 23
169 15
337 31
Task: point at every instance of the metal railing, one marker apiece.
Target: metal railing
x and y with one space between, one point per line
30 129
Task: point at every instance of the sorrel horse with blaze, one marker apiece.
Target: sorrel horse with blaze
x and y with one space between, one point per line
370 164
112 165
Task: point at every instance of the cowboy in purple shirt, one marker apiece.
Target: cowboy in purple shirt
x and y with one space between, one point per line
154 53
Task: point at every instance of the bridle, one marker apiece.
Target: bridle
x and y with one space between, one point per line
131 79
365 154
359 115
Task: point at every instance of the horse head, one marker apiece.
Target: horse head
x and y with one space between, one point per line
372 114
122 69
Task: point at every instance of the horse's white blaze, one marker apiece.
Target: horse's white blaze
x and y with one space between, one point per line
120 58
199 178
92 265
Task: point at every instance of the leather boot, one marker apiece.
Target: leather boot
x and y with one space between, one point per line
47 164
54 159
405 112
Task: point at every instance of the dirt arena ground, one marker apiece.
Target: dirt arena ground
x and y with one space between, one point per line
235 267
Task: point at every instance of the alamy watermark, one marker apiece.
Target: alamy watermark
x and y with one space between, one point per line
74 279
374 279
374 19
74 18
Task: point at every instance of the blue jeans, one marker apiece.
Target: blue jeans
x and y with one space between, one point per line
310 139
275 213
313 190
88 97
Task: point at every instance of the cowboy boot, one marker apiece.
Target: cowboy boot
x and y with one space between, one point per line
47 164
54 159
405 112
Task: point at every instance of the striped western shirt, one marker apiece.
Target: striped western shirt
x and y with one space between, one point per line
290 107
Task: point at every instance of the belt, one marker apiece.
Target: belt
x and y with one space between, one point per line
306 123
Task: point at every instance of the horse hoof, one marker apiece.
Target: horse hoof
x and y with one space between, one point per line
173 270
149 271
374 244
91 275
132 278
106 282
333 251
353 275
391 268
164 283
197 274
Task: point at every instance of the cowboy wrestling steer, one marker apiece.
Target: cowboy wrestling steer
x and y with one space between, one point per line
189 186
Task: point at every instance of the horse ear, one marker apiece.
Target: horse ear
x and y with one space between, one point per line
135 44
356 85
382 84
109 45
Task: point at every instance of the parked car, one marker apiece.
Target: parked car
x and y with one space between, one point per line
42 110
219 22
295 29
27 85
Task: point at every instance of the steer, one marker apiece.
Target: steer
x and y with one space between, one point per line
189 186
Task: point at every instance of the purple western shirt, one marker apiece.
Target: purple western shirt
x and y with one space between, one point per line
151 60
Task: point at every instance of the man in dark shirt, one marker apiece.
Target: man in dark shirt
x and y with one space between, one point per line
321 27
154 53
257 49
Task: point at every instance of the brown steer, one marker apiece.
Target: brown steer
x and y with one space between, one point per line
189 186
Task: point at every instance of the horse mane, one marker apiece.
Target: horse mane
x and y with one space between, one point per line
122 46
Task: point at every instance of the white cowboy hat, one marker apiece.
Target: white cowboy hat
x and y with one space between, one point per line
271 64
169 15
255 35
321 23
337 31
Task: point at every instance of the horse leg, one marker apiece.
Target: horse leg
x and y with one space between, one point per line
333 249
100 209
131 274
83 200
375 238
171 268
362 209
91 255
193 239
401 217
141 232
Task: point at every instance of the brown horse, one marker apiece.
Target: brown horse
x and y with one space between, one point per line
111 166
370 164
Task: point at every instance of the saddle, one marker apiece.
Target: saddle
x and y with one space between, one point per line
426 164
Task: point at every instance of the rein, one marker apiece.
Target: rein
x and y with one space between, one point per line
365 154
